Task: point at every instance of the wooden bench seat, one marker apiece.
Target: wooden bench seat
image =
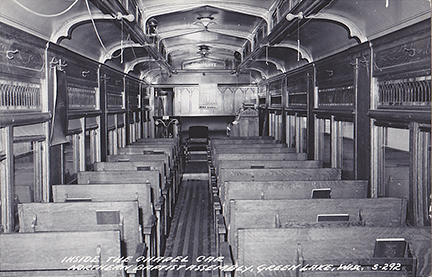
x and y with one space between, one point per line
172 184
175 144
252 150
257 157
267 164
244 138
42 253
250 145
243 214
175 165
332 245
84 216
284 174
144 149
140 157
243 141
351 189
284 190
142 166
151 177
120 192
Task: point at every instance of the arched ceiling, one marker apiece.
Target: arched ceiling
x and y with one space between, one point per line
221 28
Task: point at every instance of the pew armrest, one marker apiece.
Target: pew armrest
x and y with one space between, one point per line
225 252
221 228
159 203
149 225
140 251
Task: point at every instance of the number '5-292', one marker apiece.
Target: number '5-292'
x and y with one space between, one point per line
384 267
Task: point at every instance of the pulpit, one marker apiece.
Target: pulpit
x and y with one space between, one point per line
246 123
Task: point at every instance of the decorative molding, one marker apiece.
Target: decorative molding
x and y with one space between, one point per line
352 28
410 52
130 65
234 6
304 52
112 49
65 30
274 61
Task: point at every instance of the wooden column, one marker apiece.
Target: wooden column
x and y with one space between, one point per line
7 181
362 125
103 128
82 146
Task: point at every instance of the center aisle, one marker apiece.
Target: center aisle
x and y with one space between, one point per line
191 232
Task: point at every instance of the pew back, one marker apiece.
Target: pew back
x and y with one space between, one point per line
84 216
284 190
41 254
284 174
151 177
267 164
324 245
140 157
389 212
107 193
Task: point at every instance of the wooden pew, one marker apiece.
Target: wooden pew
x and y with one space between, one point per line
84 216
267 164
333 245
242 141
250 145
118 192
175 167
252 157
140 157
252 150
388 212
151 177
284 190
140 166
244 138
147 157
155 144
257 157
284 174
42 253
350 189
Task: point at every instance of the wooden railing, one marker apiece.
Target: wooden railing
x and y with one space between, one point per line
338 96
405 92
80 98
19 95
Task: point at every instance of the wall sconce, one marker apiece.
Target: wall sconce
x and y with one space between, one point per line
151 26
129 17
291 16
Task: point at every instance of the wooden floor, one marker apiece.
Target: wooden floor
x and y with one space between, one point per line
191 232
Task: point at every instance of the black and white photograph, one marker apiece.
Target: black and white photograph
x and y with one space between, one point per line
215 138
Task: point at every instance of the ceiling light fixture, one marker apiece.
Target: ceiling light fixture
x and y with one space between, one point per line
204 50
291 17
205 21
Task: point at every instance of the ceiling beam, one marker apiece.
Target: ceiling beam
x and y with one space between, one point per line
130 65
233 6
113 48
66 28
274 61
304 52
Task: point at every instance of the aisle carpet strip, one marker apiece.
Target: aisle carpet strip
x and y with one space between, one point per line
191 231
